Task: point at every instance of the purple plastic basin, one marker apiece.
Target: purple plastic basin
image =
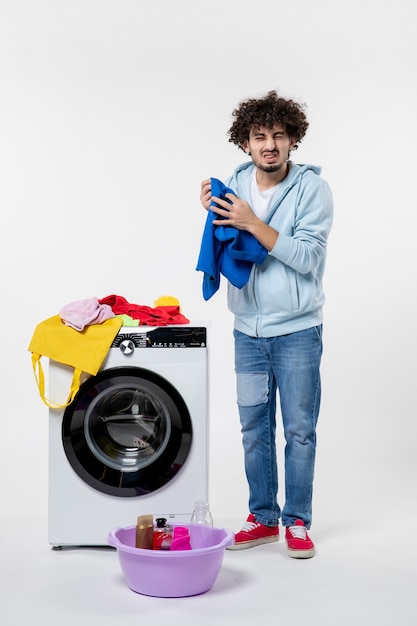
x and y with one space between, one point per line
175 574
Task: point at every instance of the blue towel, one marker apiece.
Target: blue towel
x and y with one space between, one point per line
226 250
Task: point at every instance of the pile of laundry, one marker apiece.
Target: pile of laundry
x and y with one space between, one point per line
82 313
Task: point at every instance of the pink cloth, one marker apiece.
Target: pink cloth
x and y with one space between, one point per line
82 313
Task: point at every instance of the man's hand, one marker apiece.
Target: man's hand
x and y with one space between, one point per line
237 213
240 215
205 195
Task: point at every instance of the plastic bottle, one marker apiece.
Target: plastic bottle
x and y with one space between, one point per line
162 536
144 531
181 539
201 514
201 525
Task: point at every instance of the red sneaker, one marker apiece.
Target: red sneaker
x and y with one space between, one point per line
254 534
299 544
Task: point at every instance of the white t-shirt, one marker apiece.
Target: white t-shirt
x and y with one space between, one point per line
261 200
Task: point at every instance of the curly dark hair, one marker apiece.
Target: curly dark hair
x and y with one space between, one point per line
267 111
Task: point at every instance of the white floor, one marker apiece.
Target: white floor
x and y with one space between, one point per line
360 576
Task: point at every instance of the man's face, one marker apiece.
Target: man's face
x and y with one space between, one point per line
269 147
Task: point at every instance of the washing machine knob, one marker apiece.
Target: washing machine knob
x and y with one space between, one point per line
127 347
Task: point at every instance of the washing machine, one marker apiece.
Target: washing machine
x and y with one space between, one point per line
135 438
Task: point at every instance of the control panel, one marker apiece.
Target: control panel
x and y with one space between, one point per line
163 337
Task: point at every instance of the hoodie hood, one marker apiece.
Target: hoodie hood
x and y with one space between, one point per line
240 180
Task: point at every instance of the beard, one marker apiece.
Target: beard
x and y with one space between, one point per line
270 168
273 167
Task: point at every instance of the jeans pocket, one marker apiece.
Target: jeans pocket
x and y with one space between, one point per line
319 330
252 388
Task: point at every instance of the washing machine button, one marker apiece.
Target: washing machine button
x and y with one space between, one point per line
127 347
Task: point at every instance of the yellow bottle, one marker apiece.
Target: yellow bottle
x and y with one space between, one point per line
144 531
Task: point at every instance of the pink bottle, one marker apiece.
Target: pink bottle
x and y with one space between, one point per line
181 539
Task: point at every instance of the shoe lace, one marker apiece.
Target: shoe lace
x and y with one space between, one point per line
298 532
248 526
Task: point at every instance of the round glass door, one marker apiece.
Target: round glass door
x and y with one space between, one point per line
128 432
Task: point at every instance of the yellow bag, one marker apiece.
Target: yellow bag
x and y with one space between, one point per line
83 350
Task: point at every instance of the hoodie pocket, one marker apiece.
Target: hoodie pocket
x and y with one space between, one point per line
293 283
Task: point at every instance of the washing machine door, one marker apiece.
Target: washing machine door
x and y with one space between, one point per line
128 432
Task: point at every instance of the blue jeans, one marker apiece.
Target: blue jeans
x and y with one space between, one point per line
289 364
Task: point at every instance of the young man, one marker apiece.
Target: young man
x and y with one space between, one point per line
287 208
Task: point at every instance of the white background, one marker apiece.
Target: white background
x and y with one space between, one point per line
113 111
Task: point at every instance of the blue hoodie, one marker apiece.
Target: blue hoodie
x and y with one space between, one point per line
285 293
